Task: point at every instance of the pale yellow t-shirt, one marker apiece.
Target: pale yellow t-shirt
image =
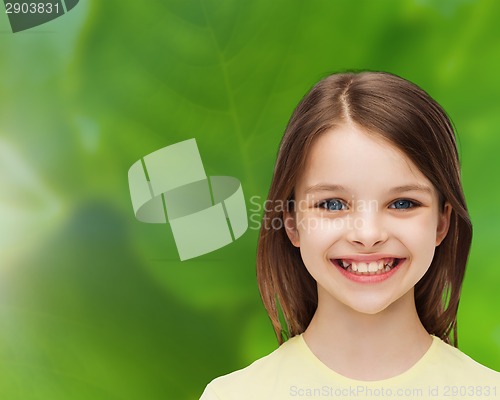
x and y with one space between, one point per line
293 372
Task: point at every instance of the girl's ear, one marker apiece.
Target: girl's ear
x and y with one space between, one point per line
291 228
443 223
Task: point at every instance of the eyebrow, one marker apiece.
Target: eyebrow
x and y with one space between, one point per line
411 188
325 187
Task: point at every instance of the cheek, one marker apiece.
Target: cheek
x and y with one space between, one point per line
316 235
419 236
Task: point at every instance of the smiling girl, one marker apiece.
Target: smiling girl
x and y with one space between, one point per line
362 281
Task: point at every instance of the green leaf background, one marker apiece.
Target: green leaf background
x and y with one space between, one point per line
94 304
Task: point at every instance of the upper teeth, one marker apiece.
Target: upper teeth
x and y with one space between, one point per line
372 266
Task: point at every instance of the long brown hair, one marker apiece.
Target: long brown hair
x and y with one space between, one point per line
410 119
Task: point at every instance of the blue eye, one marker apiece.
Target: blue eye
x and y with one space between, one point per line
403 204
332 205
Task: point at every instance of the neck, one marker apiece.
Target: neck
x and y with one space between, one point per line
367 346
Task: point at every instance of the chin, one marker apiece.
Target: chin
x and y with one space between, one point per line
371 305
372 310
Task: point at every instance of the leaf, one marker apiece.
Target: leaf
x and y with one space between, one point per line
101 307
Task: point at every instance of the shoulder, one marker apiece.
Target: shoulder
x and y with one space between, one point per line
256 374
455 363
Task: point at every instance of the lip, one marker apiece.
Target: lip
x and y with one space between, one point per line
367 258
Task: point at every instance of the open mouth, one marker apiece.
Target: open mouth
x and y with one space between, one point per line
378 267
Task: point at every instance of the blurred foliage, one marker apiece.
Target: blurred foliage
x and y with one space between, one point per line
94 304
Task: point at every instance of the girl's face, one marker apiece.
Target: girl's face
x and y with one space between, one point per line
366 220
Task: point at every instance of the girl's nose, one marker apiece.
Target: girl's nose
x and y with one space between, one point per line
367 231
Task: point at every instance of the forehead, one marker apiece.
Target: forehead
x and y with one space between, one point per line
352 157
